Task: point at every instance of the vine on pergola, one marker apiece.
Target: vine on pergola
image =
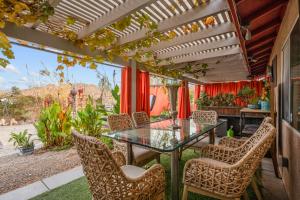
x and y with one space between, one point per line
104 41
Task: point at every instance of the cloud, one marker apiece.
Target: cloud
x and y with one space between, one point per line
24 79
10 68
2 80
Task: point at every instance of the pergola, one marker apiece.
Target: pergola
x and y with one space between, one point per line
236 46
219 45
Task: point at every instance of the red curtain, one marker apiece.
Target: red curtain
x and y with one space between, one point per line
184 106
196 95
125 97
142 91
232 87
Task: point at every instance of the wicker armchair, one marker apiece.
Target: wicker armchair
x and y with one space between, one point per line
110 179
234 142
225 173
204 116
141 156
140 119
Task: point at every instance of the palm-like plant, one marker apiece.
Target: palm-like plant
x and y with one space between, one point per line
54 126
21 139
89 121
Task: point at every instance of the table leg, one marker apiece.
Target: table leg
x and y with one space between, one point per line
212 136
241 118
174 175
129 154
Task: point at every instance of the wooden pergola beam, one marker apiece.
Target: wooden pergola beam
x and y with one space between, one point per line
51 41
212 31
197 13
129 6
198 48
210 61
237 24
196 57
266 10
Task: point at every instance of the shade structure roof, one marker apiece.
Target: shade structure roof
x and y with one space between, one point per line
263 18
217 45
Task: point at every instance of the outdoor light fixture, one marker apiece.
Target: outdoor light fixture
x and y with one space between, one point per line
251 59
248 32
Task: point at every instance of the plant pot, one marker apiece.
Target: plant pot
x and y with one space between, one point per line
265 105
26 150
252 106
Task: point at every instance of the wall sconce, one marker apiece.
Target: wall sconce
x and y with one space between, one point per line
248 32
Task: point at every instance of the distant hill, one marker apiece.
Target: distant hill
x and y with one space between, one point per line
62 92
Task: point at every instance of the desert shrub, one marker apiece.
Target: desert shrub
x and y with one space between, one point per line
54 126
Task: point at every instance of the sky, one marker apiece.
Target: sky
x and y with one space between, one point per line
23 71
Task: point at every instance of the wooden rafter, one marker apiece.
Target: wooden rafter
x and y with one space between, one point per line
201 47
266 10
197 13
198 56
129 6
213 31
258 55
261 40
265 27
259 49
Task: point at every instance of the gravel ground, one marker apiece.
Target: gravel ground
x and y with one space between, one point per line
17 171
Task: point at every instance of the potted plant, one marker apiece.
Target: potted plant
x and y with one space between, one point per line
23 142
265 98
253 104
245 94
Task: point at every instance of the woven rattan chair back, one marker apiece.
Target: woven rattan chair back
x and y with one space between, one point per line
228 181
247 165
119 122
102 172
205 116
250 143
140 119
267 120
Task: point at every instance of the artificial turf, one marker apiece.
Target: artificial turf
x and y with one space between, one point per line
78 189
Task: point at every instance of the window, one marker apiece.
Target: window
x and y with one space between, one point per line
291 78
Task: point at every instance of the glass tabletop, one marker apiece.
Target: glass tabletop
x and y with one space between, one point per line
161 137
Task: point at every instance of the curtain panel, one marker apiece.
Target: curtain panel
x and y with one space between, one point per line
184 106
214 89
125 96
143 91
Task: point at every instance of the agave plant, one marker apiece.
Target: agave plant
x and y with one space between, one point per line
54 126
21 139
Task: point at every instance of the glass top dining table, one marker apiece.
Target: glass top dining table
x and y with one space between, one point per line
161 137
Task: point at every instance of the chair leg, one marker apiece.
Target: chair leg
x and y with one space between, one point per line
245 195
256 189
185 193
158 159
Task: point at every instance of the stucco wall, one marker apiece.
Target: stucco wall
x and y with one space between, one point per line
290 137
